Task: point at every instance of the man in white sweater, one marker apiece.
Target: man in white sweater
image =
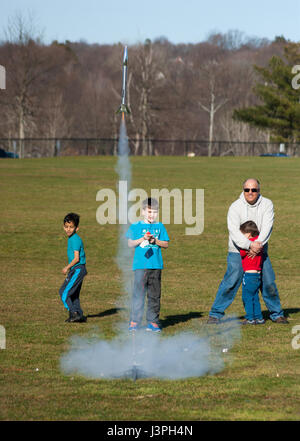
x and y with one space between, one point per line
251 205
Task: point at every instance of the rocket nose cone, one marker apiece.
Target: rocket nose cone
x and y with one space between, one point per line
125 54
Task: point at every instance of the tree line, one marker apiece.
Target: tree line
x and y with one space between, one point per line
183 91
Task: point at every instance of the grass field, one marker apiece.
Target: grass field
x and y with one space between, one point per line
261 380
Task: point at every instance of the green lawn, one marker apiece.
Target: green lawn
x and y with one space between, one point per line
261 378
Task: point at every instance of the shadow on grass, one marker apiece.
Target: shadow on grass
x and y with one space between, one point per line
289 311
286 313
172 320
107 312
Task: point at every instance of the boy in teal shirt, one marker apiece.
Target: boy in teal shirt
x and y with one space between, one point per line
75 270
147 237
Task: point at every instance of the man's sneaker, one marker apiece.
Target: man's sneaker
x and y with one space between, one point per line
132 326
248 322
213 320
153 327
281 320
259 321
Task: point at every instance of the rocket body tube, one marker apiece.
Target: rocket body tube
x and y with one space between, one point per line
123 107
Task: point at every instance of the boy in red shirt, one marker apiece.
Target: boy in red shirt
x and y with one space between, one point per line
252 267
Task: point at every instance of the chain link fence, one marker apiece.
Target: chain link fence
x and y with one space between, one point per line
47 147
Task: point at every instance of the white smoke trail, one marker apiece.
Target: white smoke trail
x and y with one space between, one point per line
123 167
124 254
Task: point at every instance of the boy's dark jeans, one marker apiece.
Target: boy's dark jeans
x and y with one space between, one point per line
146 281
250 290
70 289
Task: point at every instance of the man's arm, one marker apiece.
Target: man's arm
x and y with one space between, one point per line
233 224
235 234
267 223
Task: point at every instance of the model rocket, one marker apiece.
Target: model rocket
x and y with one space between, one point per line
123 107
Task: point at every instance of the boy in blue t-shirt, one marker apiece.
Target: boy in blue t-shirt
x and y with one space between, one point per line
147 237
75 270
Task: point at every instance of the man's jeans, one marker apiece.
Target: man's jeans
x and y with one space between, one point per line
232 281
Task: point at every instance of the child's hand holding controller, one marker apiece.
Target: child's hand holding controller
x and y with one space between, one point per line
147 238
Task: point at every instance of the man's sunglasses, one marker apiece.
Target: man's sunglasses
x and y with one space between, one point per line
254 190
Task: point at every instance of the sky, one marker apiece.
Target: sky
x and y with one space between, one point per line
132 21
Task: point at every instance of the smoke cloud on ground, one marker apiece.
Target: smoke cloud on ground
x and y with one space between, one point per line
182 355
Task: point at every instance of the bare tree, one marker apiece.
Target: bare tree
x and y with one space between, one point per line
31 69
142 80
20 34
215 98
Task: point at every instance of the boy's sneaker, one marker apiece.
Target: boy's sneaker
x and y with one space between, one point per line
74 317
259 321
82 319
132 326
153 327
248 322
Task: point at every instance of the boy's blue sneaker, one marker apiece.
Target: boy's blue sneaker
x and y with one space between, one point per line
259 321
153 327
248 322
132 326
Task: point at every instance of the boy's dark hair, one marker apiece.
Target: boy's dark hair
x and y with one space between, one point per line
150 203
249 227
72 217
